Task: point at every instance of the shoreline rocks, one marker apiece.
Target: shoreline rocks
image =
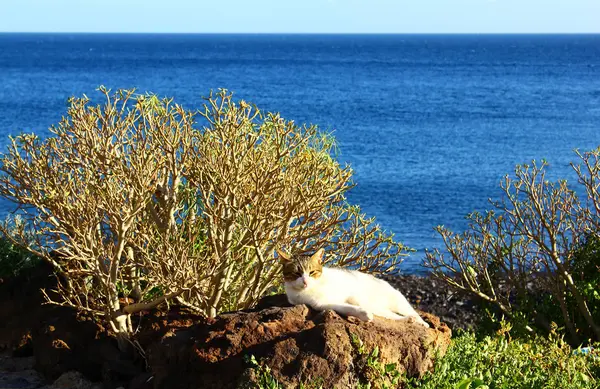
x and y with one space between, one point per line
19 373
428 294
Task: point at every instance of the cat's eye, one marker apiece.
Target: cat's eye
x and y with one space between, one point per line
314 273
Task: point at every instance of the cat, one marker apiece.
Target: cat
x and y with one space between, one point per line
347 292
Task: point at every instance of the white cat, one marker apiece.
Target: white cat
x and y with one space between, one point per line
348 292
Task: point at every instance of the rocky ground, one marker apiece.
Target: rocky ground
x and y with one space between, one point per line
425 293
19 373
297 343
433 296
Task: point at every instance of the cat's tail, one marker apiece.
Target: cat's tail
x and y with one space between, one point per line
403 307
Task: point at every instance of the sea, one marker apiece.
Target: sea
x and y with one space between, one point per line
430 124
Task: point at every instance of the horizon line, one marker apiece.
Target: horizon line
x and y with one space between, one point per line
297 33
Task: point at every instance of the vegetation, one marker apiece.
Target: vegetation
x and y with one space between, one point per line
502 362
536 253
376 373
14 259
536 260
138 201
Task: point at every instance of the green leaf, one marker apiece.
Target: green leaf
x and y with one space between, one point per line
390 367
471 383
375 353
464 384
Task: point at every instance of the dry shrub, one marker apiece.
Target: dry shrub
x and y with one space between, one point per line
134 205
523 255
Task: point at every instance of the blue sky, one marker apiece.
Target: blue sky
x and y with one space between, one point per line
301 16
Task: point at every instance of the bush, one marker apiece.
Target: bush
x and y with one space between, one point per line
501 362
524 257
586 274
135 206
14 259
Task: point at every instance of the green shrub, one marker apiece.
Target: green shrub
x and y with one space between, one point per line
501 362
586 274
14 258
584 265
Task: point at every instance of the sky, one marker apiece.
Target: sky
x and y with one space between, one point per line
301 16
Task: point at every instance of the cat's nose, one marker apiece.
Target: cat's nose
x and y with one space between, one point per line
304 283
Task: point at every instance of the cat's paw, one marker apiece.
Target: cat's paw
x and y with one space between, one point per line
416 320
363 315
421 321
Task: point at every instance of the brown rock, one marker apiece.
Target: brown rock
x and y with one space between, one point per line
186 351
66 342
63 342
22 306
296 343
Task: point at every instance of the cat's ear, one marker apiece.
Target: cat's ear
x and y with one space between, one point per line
318 256
283 257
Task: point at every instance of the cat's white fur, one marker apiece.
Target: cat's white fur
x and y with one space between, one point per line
350 293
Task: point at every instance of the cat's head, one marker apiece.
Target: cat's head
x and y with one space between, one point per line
302 271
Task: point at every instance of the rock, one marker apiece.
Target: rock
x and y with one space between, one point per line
64 342
142 381
18 373
8 363
21 307
296 343
67 342
186 351
26 379
73 380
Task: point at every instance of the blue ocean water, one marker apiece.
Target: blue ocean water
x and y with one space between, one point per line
430 123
